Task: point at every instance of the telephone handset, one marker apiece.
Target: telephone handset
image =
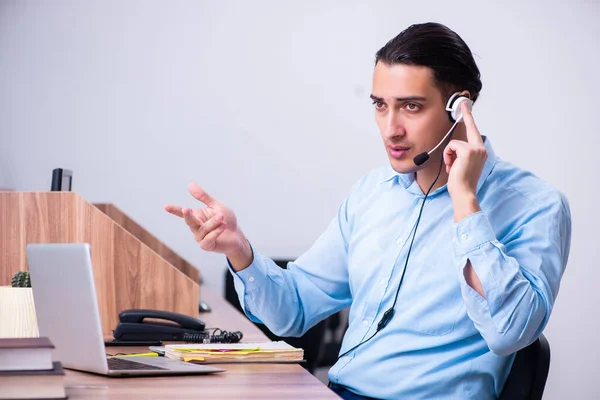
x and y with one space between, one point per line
133 325
175 327
137 316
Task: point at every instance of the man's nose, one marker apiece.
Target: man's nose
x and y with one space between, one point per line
394 125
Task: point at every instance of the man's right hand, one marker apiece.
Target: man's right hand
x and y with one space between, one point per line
215 228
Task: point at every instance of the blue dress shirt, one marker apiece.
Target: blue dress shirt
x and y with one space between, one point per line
445 341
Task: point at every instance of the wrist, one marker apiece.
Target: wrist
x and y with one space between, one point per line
242 257
465 205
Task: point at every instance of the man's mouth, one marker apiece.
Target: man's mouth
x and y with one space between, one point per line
398 152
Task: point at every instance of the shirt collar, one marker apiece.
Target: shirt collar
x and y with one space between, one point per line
404 179
407 179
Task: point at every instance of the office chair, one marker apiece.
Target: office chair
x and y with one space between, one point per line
317 353
529 372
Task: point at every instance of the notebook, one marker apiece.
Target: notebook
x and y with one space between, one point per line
26 354
268 352
40 384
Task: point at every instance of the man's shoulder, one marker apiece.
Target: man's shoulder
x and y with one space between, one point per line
526 186
368 187
374 179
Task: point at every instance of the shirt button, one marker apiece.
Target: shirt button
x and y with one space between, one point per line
383 282
464 237
365 322
399 240
251 279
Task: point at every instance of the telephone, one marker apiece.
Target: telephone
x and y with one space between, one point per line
132 326
176 327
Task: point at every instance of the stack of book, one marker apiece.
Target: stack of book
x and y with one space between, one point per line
269 352
27 370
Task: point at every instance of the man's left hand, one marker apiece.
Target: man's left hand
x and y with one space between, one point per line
464 163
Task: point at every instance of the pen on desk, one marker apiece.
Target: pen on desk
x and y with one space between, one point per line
138 355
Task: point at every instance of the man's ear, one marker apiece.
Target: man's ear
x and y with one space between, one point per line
466 93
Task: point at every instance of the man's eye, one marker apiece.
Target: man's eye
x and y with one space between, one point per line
412 107
379 105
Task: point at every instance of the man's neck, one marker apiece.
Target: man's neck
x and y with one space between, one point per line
427 175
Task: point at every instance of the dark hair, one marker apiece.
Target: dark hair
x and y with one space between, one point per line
435 46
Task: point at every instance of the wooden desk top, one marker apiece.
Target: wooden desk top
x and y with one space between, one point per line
240 381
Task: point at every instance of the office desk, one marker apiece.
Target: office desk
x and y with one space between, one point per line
240 381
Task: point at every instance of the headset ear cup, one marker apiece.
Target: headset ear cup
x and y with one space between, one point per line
450 105
454 104
450 116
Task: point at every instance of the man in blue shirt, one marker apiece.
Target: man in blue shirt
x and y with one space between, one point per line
449 267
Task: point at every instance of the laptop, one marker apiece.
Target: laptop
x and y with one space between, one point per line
67 310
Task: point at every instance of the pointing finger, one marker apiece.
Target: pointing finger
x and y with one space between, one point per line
175 210
473 135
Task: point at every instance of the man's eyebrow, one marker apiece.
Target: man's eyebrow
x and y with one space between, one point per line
400 99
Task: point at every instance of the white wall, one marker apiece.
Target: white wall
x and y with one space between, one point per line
266 105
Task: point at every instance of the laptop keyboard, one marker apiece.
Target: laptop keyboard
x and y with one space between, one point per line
119 364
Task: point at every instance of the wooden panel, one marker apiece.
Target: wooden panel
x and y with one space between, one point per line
127 273
12 257
31 218
149 240
96 230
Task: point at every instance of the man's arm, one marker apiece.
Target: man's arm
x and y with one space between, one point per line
462 209
509 289
290 301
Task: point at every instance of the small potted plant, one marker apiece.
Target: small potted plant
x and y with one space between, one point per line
17 311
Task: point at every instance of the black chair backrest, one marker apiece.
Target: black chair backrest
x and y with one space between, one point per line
527 377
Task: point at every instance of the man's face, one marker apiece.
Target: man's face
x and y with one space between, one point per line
410 113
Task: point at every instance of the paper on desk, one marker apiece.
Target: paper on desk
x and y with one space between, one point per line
280 345
235 352
219 350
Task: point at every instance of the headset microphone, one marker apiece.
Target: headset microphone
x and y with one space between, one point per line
455 115
421 158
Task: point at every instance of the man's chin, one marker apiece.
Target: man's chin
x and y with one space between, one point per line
404 166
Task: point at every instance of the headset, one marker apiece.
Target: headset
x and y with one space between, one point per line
455 115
